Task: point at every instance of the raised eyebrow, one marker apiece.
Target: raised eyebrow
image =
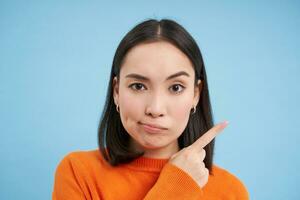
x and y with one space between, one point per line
140 77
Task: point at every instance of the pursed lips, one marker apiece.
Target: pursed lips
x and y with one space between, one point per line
155 126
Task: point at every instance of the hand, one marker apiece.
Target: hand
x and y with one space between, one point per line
190 159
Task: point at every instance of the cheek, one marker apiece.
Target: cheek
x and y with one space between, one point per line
131 109
180 112
181 107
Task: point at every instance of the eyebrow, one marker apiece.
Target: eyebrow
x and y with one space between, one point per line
140 77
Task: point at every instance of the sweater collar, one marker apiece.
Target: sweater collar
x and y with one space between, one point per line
147 164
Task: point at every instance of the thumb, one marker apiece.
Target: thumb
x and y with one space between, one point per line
175 154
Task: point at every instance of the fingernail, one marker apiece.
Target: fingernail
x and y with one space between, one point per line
226 122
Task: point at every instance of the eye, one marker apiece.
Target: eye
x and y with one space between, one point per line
177 88
137 86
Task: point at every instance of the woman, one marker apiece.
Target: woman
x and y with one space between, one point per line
156 134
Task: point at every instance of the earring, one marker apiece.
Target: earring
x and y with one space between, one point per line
194 110
117 108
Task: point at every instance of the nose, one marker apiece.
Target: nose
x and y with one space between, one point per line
155 106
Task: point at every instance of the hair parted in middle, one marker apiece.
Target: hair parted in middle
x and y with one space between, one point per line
113 140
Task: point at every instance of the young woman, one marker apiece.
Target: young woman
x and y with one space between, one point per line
156 134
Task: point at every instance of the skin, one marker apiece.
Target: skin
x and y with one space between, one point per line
191 158
162 101
156 100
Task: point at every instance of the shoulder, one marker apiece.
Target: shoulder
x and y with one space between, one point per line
88 155
76 172
80 160
228 177
228 182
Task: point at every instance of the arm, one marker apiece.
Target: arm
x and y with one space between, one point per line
173 183
239 189
185 175
68 184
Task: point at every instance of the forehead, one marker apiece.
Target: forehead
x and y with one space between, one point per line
159 59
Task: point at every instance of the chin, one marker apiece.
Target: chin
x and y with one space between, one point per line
155 145
152 147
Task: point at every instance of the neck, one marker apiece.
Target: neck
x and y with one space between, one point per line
164 152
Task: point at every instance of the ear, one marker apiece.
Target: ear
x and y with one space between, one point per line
197 92
116 90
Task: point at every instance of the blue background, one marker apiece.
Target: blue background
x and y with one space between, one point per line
55 59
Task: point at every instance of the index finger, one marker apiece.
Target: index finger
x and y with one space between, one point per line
209 135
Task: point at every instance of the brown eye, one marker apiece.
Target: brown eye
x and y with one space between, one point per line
137 86
177 88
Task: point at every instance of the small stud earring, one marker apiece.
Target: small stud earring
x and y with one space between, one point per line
194 110
117 108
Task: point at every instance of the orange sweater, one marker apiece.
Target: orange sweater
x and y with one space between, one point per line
85 175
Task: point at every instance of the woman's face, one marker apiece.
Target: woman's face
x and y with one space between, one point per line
156 89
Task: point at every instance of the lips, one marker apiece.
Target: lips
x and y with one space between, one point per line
153 128
157 126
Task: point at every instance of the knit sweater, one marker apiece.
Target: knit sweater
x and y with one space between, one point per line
86 175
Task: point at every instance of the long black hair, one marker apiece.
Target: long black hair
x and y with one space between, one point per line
113 139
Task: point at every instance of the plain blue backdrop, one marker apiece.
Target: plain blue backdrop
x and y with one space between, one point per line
55 60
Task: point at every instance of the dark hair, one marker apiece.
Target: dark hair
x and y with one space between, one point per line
113 139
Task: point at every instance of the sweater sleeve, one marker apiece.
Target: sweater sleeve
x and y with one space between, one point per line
69 184
173 183
243 193
238 188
